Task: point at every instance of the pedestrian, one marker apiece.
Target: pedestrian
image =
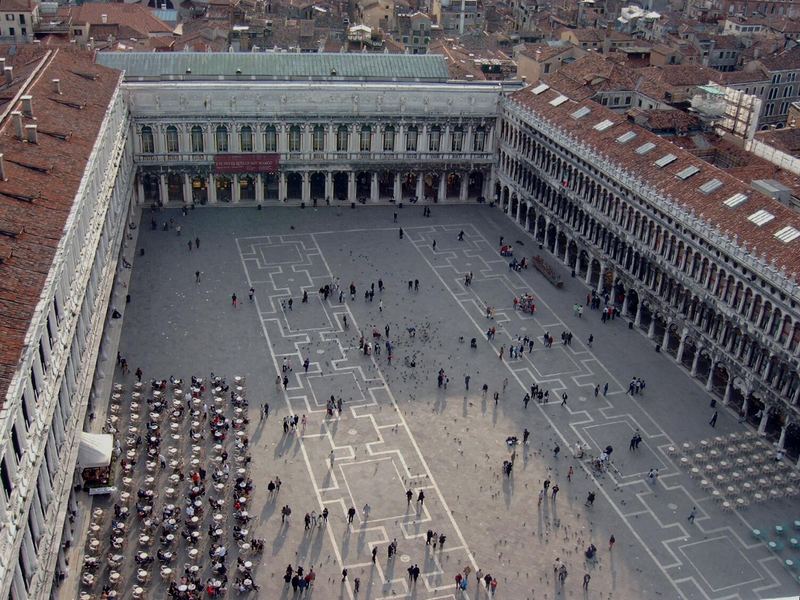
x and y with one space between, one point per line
596 390
605 389
570 473
197 276
356 585
351 512
590 499
344 575
554 492
409 496
395 218
466 382
525 435
713 421
331 458
251 293
591 339
139 374
421 498
586 579
197 242
374 553
541 497
434 245
692 515
190 245
611 541
401 233
380 305
234 300
556 450
564 399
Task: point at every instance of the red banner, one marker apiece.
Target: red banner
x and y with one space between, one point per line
246 163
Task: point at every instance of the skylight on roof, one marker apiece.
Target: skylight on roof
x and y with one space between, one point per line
735 200
581 112
787 234
760 217
665 160
710 185
542 87
688 172
603 125
626 137
645 148
559 100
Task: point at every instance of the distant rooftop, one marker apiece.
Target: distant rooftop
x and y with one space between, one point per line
145 66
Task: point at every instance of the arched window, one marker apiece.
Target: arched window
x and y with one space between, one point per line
270 139
171 139
148 143
294 139
457 142
342 138
479 141
411 139
318 139
388 139
198 145
366 138
246 139
434 139
222 138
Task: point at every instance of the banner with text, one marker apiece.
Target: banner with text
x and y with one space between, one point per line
246 163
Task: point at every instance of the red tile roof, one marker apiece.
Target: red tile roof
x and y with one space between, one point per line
134 18
708 208
42 179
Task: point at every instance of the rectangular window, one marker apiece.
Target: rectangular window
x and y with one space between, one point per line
9 17
366 140
342 139
22 19
15 442
318 140
433 139
270 140
457 141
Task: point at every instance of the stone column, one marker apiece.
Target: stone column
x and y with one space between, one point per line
665 339
351 186
726 398
696 360
762 426
443 187
305 193
625 304
259 188
651 330
187 189
710 380
463 193
212 189
420 183
397 191
236 190
566 250
281 187
588 269
162 188
637 321
374 190
600 280
140 189
679 355
782 440
328 185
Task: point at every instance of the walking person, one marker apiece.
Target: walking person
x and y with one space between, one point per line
611 541
713 421
692 515
586 579
234 300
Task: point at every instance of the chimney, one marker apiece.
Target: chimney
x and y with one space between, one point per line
27 105
17 118
2 169
104 18
57 86
31 134
8 73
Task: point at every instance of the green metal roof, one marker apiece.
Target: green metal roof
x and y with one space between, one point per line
279 66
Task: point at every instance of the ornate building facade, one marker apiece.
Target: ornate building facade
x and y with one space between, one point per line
701 264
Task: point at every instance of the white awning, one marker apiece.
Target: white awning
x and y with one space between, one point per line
95 450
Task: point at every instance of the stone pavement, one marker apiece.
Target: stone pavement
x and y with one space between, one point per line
398 431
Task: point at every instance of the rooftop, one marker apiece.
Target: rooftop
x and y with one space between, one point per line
131 19
42 178
278 66
644 156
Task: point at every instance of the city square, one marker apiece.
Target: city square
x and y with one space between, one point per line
397 430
